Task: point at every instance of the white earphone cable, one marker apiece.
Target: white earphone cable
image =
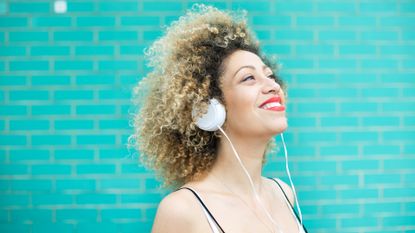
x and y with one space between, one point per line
258 199
289 177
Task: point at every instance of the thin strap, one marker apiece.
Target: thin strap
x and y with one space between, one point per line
292 207
204 206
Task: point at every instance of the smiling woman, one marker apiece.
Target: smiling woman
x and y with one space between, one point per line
209 55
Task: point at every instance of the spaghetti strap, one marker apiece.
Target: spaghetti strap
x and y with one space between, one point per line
292 207
208 214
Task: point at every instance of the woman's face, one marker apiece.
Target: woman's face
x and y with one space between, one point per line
254 102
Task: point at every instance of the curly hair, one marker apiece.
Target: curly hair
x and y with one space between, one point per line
186 62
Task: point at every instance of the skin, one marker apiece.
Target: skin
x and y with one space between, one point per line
246 84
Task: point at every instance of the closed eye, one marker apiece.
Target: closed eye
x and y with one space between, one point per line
248 78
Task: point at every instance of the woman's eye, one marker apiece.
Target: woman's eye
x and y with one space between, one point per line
272 76
248 78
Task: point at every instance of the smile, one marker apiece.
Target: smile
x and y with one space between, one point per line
273 104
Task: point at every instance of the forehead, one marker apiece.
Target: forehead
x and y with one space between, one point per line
241 58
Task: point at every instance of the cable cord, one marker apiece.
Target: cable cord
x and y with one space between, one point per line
257 198
289 177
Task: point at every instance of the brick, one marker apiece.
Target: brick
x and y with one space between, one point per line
10 21
36 215
259 6
73 65
356 49
80 6
381 121
94 50
14 200
29 65
119 6
95 169
75 184
29 95
381 150
114 95
118 65
118 35
317 137
140 20
337 35
6 51
358 222
93 21
13 169
28 36
95 79
339 121
120 213
49 80
141 198
120 183
321 107
373 7
149 35
12 140
54 227
382 179
262 20
349 151
53 169
51 199
95 198
361 164
285 6
13 81
114 124
302 121
29 7
74 154
34 185
80 214
340 209
51 140
50 50
51 21
13 110
74 124
95 140
95 109
74 95
51 109
397 164
162 6
132 49
339 7
32 154
359 193
315 21
71 36
29 125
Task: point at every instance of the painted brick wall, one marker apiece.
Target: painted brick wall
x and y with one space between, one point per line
65 107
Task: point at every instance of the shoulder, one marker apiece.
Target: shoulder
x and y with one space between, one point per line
176 209
287 190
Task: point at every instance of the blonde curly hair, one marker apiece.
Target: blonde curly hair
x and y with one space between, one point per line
186 66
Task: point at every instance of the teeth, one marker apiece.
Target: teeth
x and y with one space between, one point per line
271 105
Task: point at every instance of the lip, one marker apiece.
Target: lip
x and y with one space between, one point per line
275 99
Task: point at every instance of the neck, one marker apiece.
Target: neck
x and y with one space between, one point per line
251 153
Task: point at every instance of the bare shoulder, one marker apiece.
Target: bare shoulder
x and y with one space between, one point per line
287 190
176 209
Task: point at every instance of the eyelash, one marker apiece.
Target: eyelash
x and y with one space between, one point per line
271 76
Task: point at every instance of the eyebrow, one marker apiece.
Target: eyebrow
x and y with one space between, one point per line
249 66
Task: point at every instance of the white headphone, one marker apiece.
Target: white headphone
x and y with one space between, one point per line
213 118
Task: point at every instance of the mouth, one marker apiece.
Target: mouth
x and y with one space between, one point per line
273 104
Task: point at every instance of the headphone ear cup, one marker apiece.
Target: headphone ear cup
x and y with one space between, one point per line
213 118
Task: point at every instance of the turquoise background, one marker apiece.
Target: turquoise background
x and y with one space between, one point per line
66 83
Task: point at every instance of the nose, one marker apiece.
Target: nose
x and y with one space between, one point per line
270 86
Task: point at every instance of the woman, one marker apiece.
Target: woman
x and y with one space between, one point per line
210 55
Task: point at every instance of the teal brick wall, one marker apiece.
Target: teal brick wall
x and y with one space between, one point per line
65 93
